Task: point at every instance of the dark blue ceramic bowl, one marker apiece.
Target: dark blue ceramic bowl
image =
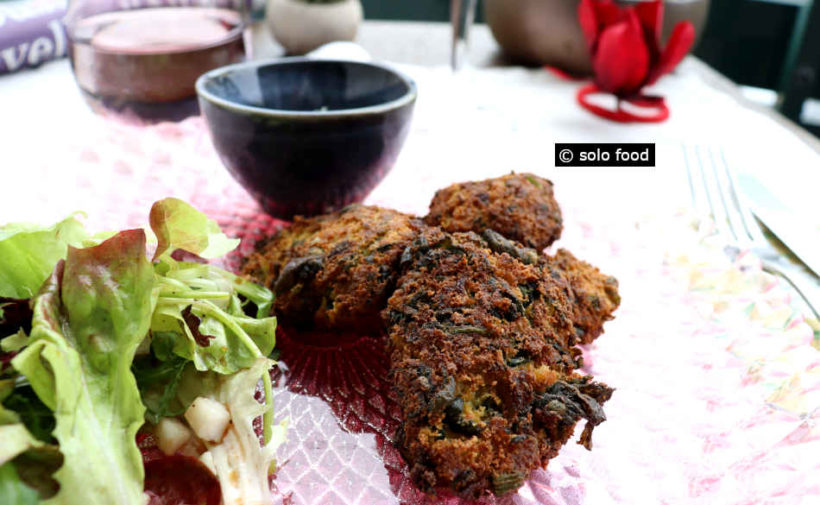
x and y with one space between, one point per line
307 136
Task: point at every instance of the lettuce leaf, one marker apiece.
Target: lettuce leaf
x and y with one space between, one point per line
78 382
27 464
200 316
178 225
35 468
15 440
7 416
89 318
21 405
158 382
30 252
13 491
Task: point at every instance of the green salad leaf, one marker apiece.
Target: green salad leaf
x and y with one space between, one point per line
27 466
13 491
178 225
158 382
13 342
114 341
200 316
22 406
7 416
15 440
89 318
33 461
27 462
30 252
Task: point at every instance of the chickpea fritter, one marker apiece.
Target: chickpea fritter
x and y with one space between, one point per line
593 295
336 271
521 207
481 357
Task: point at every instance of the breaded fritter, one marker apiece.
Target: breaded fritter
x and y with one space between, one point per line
482 362
496 208
482 329
336 271
521 207
593 295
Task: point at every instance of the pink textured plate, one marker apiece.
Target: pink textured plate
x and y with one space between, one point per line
717 376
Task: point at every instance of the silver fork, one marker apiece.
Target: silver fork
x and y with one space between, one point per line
715 196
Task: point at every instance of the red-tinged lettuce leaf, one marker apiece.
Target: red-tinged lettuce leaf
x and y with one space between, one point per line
89 318
178 225
107 293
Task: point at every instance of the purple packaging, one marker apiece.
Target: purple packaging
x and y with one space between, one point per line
31 32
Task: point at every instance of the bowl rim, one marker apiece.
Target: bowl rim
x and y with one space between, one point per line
405 99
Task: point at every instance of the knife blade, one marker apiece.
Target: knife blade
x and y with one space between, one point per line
799 234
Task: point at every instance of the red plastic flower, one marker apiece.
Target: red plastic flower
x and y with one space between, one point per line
624 45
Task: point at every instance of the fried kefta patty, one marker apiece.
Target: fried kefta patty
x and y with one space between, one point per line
480 358
593 295
335 272
521 207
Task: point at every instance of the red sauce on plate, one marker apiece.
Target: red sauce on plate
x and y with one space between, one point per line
180 480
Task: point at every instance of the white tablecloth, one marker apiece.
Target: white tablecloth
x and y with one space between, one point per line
717 380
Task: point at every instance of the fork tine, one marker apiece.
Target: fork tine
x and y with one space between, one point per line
714 196
747 221
711 190
689 177
728 201
696 189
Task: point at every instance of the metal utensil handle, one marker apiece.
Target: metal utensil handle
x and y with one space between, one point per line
462 16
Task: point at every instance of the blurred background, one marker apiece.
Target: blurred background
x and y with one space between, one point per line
769 47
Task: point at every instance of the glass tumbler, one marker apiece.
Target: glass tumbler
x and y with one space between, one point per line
140 59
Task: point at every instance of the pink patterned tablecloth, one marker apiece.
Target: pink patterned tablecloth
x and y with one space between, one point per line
717 375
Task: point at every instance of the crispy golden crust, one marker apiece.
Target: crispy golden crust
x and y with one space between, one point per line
482 330
518 206
334 272
482 359
593 296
